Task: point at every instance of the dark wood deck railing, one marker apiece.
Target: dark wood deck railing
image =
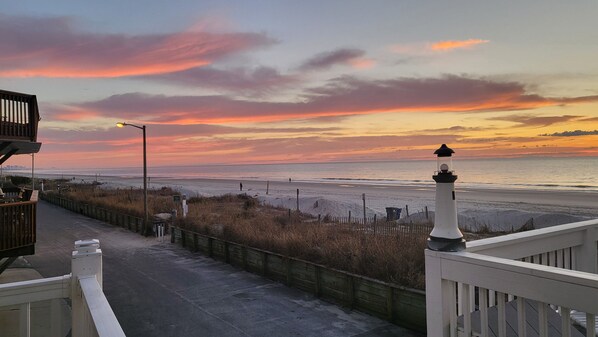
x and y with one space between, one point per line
19 116
17 225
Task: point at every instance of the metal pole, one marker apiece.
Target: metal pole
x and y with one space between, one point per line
145 210
32 171
364 218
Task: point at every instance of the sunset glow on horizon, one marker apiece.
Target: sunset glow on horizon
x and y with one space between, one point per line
282 82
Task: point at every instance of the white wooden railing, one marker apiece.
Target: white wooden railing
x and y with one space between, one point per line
91 313
522 284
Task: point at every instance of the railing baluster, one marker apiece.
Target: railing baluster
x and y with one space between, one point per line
521 320
483 293
25 319
502 317
567 258
459 299
466 310
55 318
542 319
452 289
472 298
565 321
559 258
590 325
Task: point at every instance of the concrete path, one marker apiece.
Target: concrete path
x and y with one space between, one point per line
161 289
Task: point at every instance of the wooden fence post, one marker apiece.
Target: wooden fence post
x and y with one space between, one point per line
289 272
264 264
210 247
318 284
244 256
351 291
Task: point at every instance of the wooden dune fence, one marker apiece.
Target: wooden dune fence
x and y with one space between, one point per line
400 305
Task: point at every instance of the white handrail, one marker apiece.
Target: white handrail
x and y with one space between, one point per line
103 320
519 245
35 290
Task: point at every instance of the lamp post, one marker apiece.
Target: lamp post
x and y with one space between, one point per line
146 228
446 235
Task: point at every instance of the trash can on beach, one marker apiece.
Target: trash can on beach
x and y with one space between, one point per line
393 213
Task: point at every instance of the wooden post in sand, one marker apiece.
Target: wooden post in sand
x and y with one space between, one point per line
364 218
407 210
267 187
349 216
426 209
297 200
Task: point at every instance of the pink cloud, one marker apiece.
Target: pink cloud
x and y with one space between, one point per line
51 47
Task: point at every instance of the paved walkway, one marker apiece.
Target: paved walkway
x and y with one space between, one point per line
161 289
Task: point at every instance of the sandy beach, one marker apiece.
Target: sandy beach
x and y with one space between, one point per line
499 209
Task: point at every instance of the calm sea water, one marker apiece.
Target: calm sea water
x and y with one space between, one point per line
525 173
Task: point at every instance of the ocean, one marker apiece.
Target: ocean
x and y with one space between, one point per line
575 173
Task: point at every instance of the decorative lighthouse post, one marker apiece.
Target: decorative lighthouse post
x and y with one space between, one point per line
446 235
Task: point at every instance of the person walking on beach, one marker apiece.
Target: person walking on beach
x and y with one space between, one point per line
240 186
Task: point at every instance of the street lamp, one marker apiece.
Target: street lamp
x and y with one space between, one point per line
146 228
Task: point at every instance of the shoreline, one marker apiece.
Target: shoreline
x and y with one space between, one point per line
498 209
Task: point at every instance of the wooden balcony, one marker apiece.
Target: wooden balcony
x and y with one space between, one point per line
19 116
17 228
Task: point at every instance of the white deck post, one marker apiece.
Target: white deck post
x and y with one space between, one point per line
586 255
438 297
86 262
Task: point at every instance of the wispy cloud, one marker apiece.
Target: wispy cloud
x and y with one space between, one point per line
52 47
353 57
341 97
239 79
574 133
449 45
536 121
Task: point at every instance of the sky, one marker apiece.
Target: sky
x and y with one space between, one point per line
302 81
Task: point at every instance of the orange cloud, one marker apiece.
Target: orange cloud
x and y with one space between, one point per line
456 44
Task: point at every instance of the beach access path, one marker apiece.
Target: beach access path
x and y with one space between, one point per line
160 289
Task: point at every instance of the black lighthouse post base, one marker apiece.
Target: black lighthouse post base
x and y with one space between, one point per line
446 245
